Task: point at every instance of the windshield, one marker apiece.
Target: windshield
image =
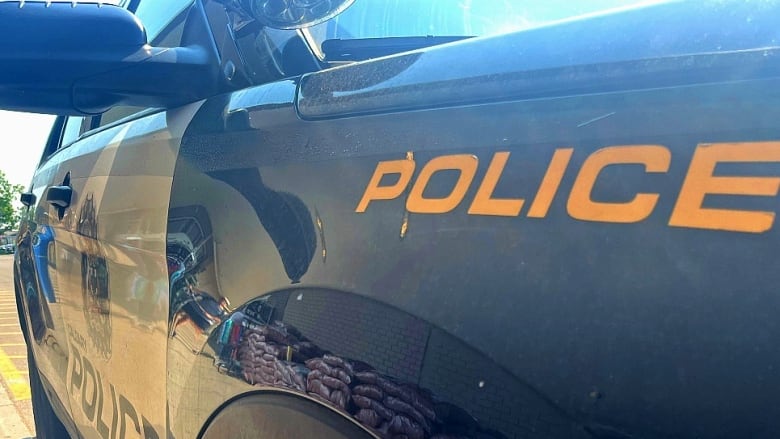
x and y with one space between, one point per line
369 19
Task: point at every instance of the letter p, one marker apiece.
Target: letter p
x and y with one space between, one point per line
405 169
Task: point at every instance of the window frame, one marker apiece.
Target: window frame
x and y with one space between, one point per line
95 123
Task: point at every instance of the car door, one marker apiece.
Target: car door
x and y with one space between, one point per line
110 256
99 253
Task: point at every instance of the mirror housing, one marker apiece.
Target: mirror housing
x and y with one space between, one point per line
84 58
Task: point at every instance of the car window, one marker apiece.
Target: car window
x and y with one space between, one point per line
451 18
65 130
156 15
74 127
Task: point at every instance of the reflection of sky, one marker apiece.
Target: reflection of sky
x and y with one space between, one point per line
531 14
382 18
155 15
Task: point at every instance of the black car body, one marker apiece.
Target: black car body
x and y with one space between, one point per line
564 231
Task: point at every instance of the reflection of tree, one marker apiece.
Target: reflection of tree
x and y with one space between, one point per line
9 217
94 280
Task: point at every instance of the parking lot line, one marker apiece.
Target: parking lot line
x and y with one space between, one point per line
17 383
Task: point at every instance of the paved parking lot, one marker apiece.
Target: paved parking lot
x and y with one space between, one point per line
16 419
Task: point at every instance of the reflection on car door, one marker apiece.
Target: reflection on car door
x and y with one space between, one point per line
112 284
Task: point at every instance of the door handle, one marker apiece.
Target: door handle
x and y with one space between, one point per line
59 196
27 198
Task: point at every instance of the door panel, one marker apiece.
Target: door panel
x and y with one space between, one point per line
110 255
578 312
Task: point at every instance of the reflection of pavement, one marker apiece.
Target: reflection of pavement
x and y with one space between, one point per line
16 420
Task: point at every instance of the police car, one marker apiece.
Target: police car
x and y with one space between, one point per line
400 218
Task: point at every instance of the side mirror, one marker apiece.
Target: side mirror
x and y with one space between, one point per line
84 58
